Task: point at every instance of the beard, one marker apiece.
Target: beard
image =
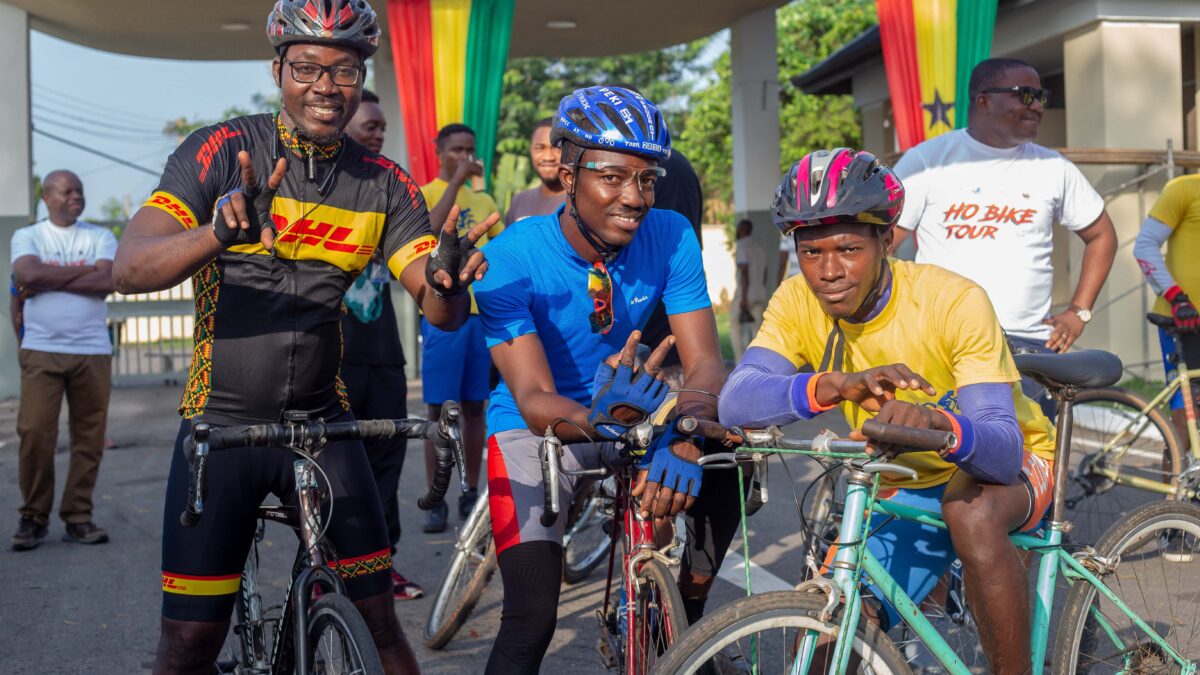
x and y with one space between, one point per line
311 136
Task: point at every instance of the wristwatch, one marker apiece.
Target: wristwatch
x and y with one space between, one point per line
1085 315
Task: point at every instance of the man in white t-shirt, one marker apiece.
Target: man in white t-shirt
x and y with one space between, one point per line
746 314
63 266
983 200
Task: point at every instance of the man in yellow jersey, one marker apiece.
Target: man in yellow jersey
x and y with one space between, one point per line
907 344
1175 221
455 366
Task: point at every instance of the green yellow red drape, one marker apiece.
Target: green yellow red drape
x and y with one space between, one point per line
929 49
449 57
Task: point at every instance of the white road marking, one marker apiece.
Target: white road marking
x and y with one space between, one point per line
733 570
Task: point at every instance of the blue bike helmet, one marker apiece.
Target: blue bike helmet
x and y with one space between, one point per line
612 118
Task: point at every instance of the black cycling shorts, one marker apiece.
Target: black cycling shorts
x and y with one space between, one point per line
202 565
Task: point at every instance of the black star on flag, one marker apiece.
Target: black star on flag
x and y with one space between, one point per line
939 110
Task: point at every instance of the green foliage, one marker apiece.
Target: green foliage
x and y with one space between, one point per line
512 176
808 32
259 103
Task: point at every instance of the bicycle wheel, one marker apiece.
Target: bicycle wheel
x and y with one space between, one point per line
338 638
246 649
658 618
760 633
1154 554
470 570
954 623
1111 433
585 543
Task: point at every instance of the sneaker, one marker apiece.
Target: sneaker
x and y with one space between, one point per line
466 503
435 519
403 589
85 533
29 534
1176 547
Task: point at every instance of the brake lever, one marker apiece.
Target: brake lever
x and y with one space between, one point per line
887 467
451 415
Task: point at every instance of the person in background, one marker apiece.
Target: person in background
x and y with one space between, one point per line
456 366
373 359
982 202
745 316
63 266
789 264
1175 221
545 198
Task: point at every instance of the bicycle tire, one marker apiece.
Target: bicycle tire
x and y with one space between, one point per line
658 618
470 570
720 632
1110 431
339 613
1134 543
586 544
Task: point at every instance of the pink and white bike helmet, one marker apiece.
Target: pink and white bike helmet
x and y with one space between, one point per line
827 187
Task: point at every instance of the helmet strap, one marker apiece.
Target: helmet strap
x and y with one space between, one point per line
608 252
881 282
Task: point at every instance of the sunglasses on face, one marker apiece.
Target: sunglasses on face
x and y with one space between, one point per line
600 291
1027 95
618 176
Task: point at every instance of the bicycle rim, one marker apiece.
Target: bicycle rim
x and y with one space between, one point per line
658 617
1155 558
760 634
1111 434
470 570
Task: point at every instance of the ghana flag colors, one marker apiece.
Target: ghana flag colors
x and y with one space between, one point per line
449 57
929 49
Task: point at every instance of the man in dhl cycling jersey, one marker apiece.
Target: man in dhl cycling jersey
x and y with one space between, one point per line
907 344
270 262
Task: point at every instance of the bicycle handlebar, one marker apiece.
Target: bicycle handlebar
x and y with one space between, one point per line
445 434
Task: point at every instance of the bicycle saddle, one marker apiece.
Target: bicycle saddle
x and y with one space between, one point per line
1163 321
1087 368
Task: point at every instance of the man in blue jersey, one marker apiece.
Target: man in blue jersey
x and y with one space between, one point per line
564 292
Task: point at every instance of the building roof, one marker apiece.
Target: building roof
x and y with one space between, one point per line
227 29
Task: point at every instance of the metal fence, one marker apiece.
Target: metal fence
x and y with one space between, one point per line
152 336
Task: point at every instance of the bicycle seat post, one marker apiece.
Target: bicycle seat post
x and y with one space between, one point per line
1065 395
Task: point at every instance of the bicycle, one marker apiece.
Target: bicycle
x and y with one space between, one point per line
1131 450
307 633
1099 630
647 613
474 560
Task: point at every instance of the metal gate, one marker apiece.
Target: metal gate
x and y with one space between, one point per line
152 336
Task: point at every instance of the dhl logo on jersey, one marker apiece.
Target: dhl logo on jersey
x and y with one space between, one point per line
177 209
306 231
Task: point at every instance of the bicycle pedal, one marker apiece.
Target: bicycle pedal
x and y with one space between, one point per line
608 657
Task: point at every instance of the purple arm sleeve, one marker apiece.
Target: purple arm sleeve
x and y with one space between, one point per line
991 446
764 389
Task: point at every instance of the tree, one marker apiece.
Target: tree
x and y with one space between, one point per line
180 128
808 31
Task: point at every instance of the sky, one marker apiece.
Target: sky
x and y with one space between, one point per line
119 105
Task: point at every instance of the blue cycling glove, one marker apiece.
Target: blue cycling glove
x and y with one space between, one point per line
670 470
623 387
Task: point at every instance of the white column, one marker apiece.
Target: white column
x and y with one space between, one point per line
1110 69
15 169
754 89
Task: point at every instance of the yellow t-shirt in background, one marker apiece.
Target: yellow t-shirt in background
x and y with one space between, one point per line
939 324
473 208
1178 207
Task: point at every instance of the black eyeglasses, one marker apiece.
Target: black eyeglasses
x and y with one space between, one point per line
305 72
1027 95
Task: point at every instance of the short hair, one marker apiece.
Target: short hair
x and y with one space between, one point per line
989 71
449 130
547 122
369 96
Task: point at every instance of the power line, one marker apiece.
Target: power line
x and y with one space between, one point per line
98 122
100 108
114 135
98 153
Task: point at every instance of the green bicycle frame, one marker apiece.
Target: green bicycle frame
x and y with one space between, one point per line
851 562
